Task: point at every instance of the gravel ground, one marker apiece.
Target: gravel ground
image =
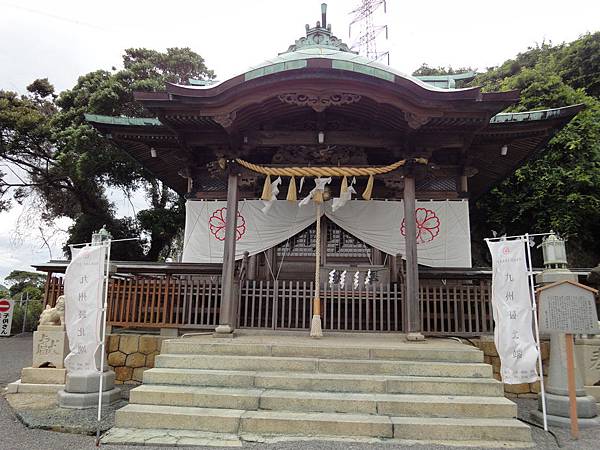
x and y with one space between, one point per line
15 353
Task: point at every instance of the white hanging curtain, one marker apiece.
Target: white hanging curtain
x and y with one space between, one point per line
256 231
443 235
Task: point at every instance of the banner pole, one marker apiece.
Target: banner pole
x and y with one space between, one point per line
537 328
103 338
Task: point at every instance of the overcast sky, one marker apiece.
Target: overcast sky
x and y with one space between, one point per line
62 39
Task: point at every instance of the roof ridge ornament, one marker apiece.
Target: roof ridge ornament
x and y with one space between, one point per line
319 36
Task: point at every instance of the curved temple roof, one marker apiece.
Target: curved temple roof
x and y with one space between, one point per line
321 56
320 43
379 108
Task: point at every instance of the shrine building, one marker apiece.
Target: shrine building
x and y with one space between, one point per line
326 195
246 151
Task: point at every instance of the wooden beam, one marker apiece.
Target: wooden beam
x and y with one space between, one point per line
358 138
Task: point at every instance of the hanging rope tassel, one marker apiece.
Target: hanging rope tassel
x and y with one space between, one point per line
369 189
344 187
267 192
292 196
315 324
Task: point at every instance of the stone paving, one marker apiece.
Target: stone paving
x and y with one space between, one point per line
15 353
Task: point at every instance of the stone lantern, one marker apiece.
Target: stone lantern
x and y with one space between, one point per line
555 261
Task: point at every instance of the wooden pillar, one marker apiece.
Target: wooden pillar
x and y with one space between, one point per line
412 311
464 184
393 268
47 288
324 227
377 257
228 291
252 267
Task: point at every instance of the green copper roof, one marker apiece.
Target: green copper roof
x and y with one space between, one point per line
342 60
121 120
529 116
319 42
447 81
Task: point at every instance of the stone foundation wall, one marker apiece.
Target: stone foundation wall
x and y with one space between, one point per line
129 355
526 390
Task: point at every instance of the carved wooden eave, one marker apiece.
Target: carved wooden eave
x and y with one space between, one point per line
417 106
317 102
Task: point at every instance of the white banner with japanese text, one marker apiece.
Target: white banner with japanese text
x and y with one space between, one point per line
511 307
84 283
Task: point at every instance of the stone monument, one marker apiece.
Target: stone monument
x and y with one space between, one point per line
587 351
50 346
563 303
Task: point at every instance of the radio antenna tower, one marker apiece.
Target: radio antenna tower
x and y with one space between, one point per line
366 42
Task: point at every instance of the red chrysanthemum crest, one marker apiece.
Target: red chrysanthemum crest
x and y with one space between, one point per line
428 225
218 220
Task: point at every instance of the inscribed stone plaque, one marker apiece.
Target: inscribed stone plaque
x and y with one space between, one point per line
568 308
50 346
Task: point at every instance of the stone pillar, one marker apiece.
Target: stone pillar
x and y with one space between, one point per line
82 389
587 350
412 311
557 392
226 324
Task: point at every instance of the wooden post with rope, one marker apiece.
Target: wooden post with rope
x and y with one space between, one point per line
315 324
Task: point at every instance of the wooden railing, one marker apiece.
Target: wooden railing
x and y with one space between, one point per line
459 309
190 302
287 305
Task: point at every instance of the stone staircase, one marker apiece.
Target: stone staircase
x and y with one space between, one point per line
367 386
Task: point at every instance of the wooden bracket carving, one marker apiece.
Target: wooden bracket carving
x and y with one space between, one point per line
319 102
226 119
415 121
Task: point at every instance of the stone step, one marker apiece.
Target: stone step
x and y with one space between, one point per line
484 387
450 429
257 422
178 418
408 352
302 401
314 365
320 424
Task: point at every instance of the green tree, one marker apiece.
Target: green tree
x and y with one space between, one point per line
559 188
70 166
23 282
426 70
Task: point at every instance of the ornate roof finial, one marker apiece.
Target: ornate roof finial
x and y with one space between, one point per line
320 36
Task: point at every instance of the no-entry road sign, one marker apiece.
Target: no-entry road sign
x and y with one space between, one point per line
4 305
6 315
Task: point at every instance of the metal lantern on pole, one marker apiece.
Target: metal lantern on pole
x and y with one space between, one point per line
555 254
555 261
101 236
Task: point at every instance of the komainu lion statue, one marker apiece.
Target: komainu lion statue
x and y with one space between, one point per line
56 315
